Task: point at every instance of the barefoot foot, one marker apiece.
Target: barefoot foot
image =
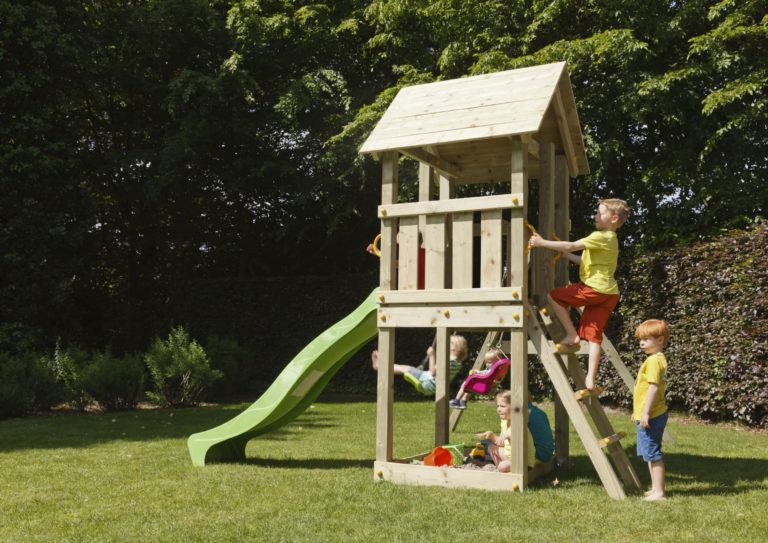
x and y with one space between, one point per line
375 360
653 497
589 382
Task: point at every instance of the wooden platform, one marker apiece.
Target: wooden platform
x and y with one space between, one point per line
404 473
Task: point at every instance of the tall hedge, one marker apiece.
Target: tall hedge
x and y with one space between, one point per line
715 298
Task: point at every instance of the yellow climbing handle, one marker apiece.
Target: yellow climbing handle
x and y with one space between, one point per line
375 245
557 256
533 231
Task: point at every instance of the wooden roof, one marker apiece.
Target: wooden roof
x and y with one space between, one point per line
485 110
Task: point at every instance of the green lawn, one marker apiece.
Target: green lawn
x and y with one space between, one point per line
127 477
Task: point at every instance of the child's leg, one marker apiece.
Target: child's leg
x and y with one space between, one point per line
503 465
460 395
658 472
649 441
571 337
499 458
399 369
594 365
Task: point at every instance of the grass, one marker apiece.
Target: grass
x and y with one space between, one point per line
127 477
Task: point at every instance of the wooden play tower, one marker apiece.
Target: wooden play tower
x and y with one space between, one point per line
505 129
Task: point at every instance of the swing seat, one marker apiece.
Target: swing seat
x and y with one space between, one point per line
482 383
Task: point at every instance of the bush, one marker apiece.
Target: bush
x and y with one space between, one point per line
68 365
180 370
27 383
236 363
116 383
15 396
715 298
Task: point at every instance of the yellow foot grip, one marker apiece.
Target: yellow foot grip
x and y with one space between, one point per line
567 349
584 393
612 439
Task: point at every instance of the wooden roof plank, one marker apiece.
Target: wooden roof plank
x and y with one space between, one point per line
460 112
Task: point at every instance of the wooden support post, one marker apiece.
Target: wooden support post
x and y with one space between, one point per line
388 281
518 349
542 279
385 394
563 231
442 392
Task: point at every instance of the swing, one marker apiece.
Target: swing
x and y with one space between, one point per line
483 383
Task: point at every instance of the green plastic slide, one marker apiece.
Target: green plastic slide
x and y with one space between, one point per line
297 386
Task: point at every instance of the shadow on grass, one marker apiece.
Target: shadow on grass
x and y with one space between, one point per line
74 430
309 463
687 474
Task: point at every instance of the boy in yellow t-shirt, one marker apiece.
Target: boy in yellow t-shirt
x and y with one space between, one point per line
649 409
597 290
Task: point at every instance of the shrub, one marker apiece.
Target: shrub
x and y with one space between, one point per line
236 363
15 396
715 297
68 365
180 370
27 383
116 383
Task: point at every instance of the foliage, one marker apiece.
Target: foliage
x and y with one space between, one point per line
115 383
715 298
237 364
68 365
27 384
152 144
179 369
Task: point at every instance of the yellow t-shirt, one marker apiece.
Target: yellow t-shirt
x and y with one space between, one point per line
508 445
653 370
598 261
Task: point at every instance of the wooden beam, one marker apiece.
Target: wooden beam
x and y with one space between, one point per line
389 193
518 350
562 124
456 205
542 277
563 230
451 169
448 477
533 145
385 395
442 386
457 316
451 296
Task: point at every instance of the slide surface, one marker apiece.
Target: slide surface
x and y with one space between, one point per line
297 386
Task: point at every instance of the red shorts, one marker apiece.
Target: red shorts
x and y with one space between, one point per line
597 308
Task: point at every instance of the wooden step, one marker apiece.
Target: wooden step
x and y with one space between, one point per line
586 393
604 442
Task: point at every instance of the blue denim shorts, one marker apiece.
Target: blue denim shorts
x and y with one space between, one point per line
427 380
649 439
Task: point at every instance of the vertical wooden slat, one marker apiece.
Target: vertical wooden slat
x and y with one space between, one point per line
448 191
442 392
434 238
389 191
425 189
518 349
462 250
408 253
562 228
490 249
